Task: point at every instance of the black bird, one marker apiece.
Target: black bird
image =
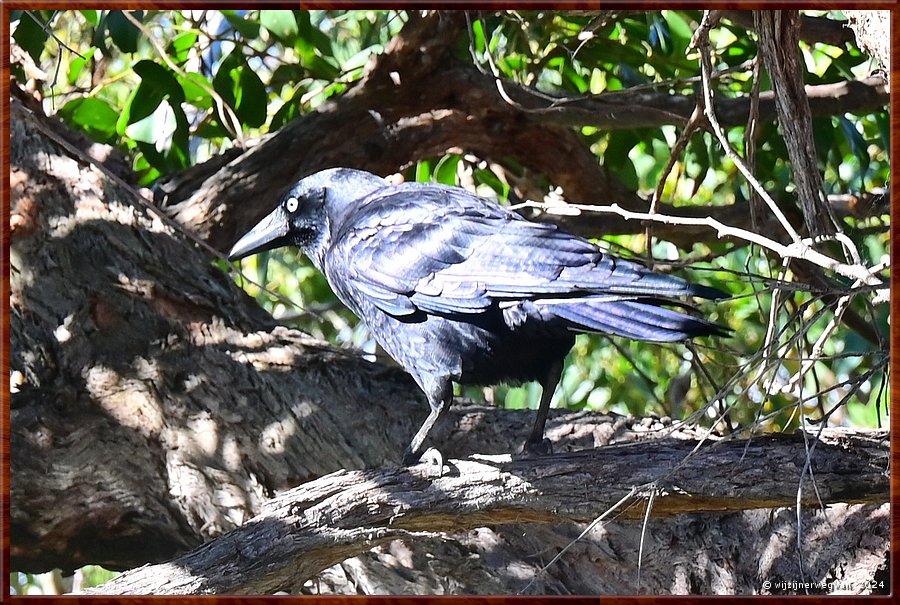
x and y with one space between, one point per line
457 288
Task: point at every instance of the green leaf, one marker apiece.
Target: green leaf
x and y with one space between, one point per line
423 171
487 177
142 102
360 59
287 73
252 101
580 84
179 49
211 129
195 88
159 78
159 124
321 68
310 39
123 32
154 157
620 144
92 17
157 83
30 35
678 27
285 114
246 27
280 22
445 172
242 89
75 67
166 130
478 35
91 115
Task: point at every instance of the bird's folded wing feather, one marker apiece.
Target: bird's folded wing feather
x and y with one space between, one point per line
441 250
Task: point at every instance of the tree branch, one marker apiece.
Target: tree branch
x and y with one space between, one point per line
306 529
780 53
811 29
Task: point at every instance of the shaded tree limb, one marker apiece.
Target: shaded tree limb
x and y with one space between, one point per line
810 29
308 528
780 53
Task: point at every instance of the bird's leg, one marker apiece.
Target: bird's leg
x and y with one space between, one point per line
536 443
439 400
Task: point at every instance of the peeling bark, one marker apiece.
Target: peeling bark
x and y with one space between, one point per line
872 30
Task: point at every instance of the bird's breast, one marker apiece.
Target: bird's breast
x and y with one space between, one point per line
477 349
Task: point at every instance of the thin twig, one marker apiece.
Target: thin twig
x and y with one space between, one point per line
701 43
800 249
51 33
626 499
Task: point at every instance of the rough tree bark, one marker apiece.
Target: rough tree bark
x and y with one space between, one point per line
318 524
155 407
778 49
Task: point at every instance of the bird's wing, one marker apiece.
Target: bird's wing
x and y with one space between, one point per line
442 250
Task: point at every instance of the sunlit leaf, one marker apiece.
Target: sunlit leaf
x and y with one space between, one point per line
280 22
91 115
91 16
445 171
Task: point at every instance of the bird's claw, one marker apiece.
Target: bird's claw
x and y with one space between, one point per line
543 447
431 457
435 461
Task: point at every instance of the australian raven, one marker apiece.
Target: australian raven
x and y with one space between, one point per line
457 288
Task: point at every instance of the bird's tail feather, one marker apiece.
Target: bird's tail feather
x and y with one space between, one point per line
636 319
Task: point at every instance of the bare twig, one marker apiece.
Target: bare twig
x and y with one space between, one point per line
701 40
800 249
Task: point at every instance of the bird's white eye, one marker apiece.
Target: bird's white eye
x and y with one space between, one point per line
292 204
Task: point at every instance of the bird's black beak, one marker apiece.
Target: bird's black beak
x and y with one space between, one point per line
271 232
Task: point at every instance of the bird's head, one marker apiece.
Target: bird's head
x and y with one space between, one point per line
307 214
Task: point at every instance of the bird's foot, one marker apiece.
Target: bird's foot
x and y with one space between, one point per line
543 447
432 457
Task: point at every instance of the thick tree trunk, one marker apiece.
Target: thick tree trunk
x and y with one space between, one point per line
155 407
156 404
